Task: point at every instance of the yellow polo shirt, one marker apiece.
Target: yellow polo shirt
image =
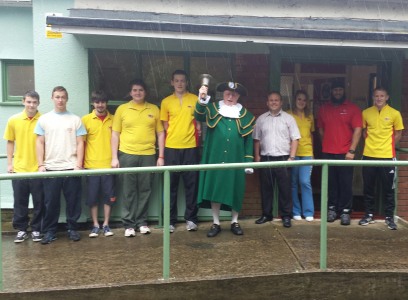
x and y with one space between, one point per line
306 127
98 153
380 126
137 125
20 130
180 116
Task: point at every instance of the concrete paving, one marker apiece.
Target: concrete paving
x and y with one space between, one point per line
263 250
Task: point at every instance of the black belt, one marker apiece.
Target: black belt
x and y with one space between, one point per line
275 158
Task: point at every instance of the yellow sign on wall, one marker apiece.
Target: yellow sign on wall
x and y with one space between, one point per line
49 33
53 34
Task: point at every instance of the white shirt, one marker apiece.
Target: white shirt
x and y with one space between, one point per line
275 133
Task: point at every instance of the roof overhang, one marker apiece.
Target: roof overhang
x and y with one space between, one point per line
331 32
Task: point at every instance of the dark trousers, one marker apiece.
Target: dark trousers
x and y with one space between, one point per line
268 186
175 157
340 187
387 178
71 188
135 189
22 189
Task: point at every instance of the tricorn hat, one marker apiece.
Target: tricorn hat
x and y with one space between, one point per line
232 86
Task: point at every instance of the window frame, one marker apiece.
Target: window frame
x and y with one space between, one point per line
7 99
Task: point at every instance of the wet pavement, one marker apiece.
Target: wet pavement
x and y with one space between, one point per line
263 250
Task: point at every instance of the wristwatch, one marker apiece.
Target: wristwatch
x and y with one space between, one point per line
351 151
292 158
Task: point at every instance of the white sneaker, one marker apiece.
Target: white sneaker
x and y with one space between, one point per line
21 237
172 228
309 219
297 218
36 236
129 232
144 229
191 226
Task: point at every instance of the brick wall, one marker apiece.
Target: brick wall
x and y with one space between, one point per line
253 72
402 208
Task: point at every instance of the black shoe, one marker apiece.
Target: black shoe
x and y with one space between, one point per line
48 238
331 216
263 219
214 230
345 219
73 235
389 221
286 222
236 229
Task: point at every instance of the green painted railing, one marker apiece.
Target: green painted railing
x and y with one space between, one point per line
166 191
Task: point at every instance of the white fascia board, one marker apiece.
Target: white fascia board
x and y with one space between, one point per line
230 38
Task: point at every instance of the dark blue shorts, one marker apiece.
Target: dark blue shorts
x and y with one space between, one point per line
100 189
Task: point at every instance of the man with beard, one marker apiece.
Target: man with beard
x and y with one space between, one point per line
339 123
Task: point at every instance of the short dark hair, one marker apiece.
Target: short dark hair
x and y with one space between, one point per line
380 88
276 93
59 89
179 72
99 95
137 82
32 94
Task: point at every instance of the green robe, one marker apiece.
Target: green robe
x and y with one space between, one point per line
228 140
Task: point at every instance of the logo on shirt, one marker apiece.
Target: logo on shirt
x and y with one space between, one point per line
343 112
150 116
387 119
69 130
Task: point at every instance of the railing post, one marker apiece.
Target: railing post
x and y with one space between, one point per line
161 202
1 247
166 229
323 218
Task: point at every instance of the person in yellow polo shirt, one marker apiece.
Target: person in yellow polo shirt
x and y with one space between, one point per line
21 140
181 146
300 176
135 127
98 155
382 131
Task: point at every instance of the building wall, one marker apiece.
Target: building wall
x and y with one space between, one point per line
16 42
65 61
252 70
402 209
59 61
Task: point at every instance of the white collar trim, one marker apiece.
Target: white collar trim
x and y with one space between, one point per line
229 111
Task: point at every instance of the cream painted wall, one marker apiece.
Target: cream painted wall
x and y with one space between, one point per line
366 9
16 42
59 61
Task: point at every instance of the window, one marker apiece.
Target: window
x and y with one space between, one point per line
18 77
112 70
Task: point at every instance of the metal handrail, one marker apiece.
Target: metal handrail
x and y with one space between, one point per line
166 191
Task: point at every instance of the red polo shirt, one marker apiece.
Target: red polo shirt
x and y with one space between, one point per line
338 123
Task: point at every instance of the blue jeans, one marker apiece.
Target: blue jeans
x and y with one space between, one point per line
301 176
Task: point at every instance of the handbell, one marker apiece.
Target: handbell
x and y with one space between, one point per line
205 79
